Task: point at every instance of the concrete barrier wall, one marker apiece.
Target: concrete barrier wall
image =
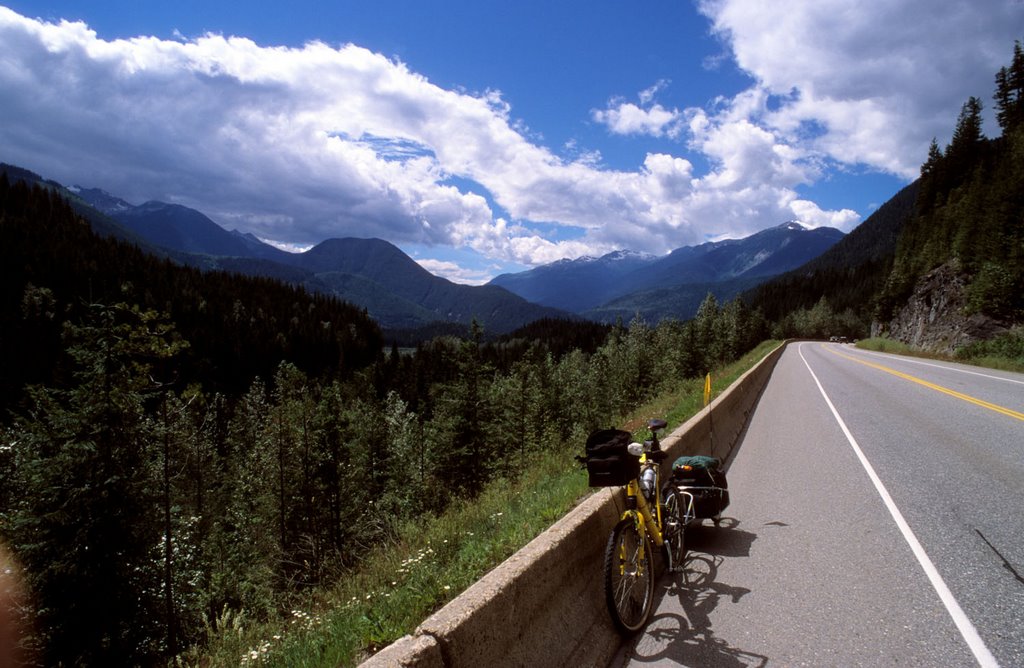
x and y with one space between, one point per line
544 605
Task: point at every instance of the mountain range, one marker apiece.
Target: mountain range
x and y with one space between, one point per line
374 274
622 284
401 295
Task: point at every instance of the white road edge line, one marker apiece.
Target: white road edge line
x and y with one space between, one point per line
904 358
966 628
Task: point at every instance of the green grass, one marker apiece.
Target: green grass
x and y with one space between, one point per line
1005 358
995 362
886 345
401 584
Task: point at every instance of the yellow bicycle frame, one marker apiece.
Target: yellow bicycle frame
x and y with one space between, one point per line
646 519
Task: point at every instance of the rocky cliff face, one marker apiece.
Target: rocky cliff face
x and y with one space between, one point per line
934 317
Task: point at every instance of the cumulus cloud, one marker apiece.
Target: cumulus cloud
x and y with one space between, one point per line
876 79
626 118
837 83
297 144
301 144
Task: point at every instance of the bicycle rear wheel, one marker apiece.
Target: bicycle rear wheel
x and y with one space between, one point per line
628 577
675 530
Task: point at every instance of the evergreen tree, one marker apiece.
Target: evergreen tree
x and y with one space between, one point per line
518 412
407 480
964 147
1009 95
461 416
243 547
583 396
83 526
931 178
709 342
638 362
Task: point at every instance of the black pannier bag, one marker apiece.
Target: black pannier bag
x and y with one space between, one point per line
609 463
702 477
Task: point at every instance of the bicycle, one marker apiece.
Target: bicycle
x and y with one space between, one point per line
628 563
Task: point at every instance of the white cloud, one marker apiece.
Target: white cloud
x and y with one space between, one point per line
455 273
590 158
749 154
879 78
287 247
811 214
301 144
647 95
626 118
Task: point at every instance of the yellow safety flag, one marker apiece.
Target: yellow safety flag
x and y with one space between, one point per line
707 389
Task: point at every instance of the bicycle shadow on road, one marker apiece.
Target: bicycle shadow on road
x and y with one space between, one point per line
724 540
687 639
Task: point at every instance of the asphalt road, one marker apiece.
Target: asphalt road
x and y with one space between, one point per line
811 566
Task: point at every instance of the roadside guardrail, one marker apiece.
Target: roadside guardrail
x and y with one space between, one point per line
544 605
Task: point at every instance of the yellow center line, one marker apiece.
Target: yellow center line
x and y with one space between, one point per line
938 388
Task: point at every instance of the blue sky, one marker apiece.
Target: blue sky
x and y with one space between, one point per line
483 137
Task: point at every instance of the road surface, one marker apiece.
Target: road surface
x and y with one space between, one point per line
877 519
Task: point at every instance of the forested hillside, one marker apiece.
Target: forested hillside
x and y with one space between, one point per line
834 293
373 274
56 270
970 209
180 445
965 215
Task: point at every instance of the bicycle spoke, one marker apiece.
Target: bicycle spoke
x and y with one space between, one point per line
629 579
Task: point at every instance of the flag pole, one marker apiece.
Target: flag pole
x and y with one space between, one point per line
711 423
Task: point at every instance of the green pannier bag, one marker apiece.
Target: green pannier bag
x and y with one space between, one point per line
699 470
703 478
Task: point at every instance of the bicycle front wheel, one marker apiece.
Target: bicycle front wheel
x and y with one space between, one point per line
675 529
628 576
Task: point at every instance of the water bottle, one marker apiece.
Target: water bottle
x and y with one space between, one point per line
647 483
